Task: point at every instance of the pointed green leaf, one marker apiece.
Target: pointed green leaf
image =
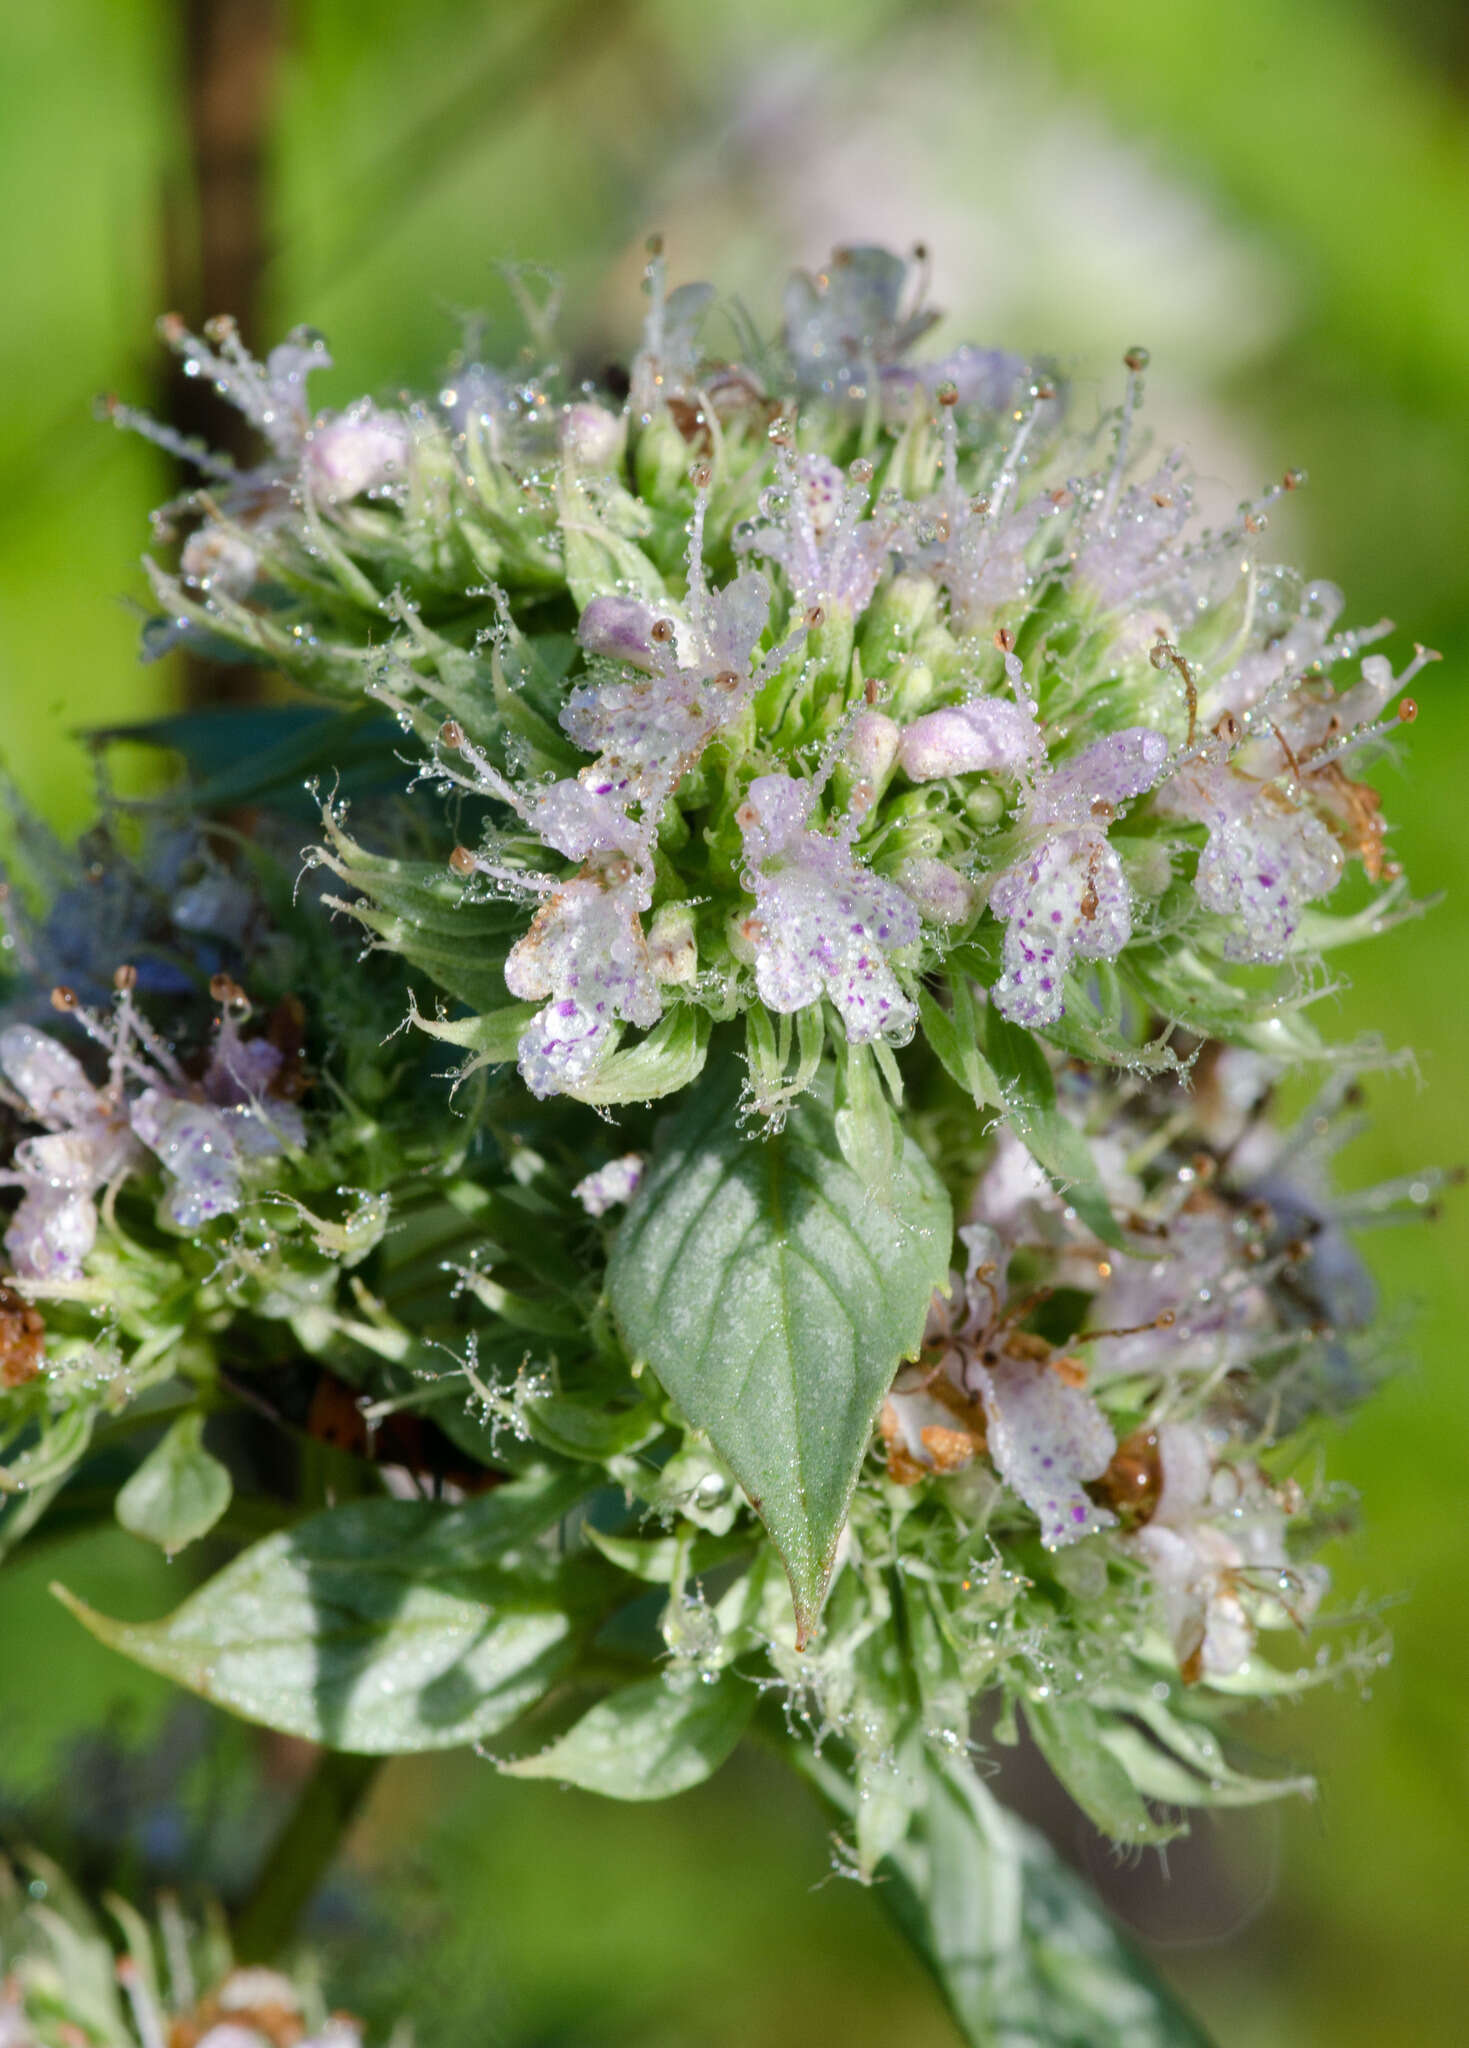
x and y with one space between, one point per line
774 1296
380 1626
179 1491
1021 1949
1028 1088
649 1740
954 1035
1073 1739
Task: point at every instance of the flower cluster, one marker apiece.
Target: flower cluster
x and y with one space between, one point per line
982 693
879 795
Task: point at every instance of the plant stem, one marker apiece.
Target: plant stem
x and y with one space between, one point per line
303 1853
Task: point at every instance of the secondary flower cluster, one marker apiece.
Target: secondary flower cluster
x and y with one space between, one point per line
1235 1286
205 1133
61 1981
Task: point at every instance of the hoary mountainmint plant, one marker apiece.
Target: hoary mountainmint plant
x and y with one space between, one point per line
870 856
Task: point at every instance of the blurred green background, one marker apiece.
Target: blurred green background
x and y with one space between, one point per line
1274 196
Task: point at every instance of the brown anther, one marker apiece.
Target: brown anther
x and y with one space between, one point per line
700 476
125 978
1204 1166
22 1338
654 245
63 998
462 861
869 690
1046 390
451 735
662 631
815 617
1294 479
223 988
1069 1371
172 327
861 471
1407 710
1227 728
950 1449
726 680
1005 640
947 393
1136 359
1298 1250
1133 1482
1102 811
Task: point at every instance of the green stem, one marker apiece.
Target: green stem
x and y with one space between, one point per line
303 1853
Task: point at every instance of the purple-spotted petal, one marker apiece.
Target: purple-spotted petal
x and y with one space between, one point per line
1045 1439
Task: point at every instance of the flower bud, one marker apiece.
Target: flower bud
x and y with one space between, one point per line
939 893
592 438
214 558
621 628
357 451
903 608
661 462
1149 870
986 734
672 946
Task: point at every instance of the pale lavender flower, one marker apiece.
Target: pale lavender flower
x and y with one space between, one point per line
815 529
823 924
1068 899
1045 1435
985 378
194 1143
1216 1548
587 952
1130 545
1194 1296
843 323
1265 858
60 1173
611 1185
270 395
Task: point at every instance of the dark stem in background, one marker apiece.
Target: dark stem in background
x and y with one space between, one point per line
215 238
303 1852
